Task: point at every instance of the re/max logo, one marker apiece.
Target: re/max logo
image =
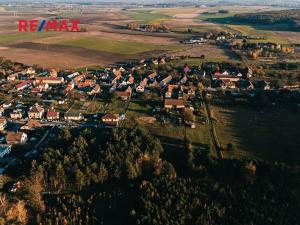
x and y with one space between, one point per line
50 25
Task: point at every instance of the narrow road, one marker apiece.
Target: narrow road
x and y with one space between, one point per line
213 132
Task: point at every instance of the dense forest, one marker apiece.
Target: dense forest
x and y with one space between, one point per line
290 17
120 176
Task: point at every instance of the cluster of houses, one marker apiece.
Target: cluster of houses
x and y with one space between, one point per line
227 80
122 82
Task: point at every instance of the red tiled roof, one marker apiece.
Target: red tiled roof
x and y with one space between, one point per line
122 94
110 117
24 83
175 102
52 114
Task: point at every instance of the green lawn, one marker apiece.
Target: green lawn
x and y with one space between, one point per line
24 36
96 106
138 108
117 106
114 46
172 136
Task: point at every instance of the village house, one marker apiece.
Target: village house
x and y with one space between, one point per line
225 76
12 77
7 104
69 87
25 84
53 73
13 138
40 88
111 120
116 77
78 78
166 81
95 90
49 80
3 124
85 84
36 112
124 95
174 103
227 84
52 115
141 87
16 114
71 76
184 80
130 80
30 71
73 116
190 91
174 91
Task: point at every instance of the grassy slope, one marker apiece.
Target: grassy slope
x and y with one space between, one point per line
273 135
113 46
251 31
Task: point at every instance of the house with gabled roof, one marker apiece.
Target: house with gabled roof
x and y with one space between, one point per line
96 89
12 77
16 114
52 115
111 120
25 84
36 112
73 116
49 80
174 103
124 95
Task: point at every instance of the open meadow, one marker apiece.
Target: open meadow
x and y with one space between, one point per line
272 134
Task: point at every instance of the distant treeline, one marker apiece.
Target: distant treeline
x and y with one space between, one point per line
291 17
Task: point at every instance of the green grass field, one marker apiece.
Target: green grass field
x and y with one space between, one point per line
272 135
113 46
24 36
138 108
269 36
148 17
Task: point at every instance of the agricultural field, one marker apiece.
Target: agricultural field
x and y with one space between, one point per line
148 17
211 52
106 43
271 135
4 38
113 46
